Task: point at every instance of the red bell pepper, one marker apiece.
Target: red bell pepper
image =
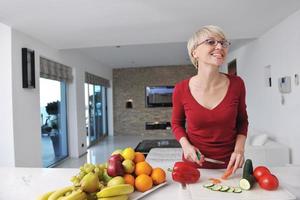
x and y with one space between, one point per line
184 172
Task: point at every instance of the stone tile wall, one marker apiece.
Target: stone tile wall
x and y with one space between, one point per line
130 83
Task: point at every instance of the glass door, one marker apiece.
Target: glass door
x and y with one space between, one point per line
96 115
53 121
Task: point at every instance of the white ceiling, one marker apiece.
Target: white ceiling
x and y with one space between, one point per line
150 32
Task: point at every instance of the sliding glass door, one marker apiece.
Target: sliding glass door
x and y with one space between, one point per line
95 113
53 121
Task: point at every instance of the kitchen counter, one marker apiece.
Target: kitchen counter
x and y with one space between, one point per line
289 176
28 183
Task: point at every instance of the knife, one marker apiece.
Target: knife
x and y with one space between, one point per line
209 159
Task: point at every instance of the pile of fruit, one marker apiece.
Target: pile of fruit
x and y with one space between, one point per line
125 172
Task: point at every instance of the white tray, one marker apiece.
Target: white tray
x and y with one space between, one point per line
138 195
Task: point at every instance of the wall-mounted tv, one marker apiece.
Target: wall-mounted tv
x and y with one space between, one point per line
159 96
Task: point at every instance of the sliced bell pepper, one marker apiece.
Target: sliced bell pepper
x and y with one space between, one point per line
184 172
227 173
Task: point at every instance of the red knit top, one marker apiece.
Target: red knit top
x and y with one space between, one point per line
213 131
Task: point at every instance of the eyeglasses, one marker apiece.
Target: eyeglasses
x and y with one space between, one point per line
213 42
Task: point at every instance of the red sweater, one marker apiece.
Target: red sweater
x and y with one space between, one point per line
213 131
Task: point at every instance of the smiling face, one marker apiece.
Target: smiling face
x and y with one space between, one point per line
210 51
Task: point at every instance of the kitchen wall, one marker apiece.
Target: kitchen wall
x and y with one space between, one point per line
130 83
6 117
279 48
26 144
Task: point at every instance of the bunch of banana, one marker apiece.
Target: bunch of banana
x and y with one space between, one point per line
116 192
119 197
66 193
75 195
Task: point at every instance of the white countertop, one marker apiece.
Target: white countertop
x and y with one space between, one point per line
28 183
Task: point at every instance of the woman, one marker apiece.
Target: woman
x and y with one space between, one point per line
209 111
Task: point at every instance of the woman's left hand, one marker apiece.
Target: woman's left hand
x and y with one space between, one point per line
236 160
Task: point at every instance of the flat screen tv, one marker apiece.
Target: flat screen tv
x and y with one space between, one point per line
159 96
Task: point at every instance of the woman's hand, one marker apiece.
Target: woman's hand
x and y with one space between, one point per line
189 152
236 160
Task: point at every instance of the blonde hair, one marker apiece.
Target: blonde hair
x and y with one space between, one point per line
203 31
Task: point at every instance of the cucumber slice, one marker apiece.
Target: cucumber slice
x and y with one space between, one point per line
245 184
237 190
231 189
208 185
224 188
216 187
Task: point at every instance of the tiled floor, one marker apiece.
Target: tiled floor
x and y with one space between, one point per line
100 152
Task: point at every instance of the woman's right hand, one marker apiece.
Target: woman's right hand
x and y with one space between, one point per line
190 152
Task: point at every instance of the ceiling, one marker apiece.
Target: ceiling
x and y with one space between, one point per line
131 33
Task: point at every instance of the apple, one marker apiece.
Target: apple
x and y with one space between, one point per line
128 153
128 166
117 151
116 181
115 157
115 167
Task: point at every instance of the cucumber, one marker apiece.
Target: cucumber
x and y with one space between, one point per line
224 188
216 187
247 182
248 168
248 179
231 189
237 190
208 185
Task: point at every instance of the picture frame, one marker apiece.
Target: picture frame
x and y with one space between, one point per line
28 68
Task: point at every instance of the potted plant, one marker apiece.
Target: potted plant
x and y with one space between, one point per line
52 109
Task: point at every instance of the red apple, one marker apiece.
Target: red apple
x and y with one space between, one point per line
116 157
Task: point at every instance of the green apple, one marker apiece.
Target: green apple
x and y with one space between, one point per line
128 166
117 151
117 180
128 153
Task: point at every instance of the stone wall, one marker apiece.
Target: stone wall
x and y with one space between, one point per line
130 83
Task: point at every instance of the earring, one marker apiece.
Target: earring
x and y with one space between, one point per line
196 63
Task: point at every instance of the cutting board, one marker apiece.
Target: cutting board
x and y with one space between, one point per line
198 192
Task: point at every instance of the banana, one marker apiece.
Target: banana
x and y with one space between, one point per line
60 192
115 190
120 197
76 195
45 196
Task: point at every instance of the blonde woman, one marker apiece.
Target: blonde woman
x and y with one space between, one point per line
209 110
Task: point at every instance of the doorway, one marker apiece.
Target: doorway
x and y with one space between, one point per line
53 121
95 113
231 67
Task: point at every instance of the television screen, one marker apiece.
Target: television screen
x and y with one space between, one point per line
159 96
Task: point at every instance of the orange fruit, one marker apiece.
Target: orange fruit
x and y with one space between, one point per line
143 168
138 157
143 183
158 175
129 179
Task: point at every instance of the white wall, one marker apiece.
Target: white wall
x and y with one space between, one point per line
26 113
280 48
6 117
